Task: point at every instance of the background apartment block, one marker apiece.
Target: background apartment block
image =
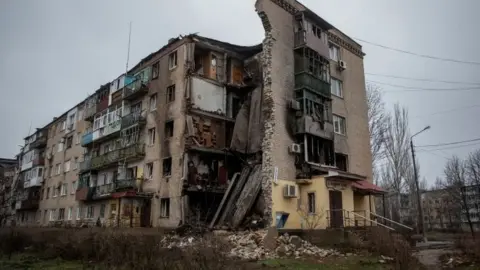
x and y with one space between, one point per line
8 177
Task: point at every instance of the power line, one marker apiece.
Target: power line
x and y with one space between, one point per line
420 79
447 111
451 143
448 148
419 54
416 89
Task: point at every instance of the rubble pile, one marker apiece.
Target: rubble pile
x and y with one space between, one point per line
249 245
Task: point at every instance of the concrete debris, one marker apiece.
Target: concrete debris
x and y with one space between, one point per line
250 246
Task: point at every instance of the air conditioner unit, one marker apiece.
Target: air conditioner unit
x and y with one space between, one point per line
289 191
342 65
293 104
295 148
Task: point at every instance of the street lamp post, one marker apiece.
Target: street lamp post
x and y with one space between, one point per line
420 209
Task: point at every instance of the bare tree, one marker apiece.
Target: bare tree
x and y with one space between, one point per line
396 153
455 184
378 119
7 183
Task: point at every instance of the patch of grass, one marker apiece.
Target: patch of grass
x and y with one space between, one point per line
340 263
32 262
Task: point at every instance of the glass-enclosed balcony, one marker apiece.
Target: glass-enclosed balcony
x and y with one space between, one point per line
134 118
134 90
313 83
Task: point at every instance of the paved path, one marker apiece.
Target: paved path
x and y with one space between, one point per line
429 253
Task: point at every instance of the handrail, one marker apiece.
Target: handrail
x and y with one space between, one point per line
394 222
385 226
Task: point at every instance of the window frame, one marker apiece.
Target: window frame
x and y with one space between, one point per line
164 207
155 98
172 57
311 203
339 117
155 70
151 136
171 93
337 49
339 88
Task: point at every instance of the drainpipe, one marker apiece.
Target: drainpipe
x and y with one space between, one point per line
370 204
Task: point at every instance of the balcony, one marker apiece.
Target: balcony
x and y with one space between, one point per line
129 183
33 182
84 193
134 118
40 142
90 112
308 81
307 124
134 90
29 200
102 105
308 39
38 161
103 191
107 159
87 138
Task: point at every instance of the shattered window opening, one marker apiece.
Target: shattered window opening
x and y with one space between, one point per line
155 70
171 93
167 166
165 207
169 129
172 60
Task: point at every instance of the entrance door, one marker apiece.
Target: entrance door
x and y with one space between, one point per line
336 209
145 217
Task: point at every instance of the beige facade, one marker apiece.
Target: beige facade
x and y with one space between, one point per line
63 154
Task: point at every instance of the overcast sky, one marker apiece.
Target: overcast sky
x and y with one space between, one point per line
54 53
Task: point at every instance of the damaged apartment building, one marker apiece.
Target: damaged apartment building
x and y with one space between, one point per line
204 132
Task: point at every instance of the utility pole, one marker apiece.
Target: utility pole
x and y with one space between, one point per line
420 209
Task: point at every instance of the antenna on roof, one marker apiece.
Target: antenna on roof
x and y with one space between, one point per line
128 52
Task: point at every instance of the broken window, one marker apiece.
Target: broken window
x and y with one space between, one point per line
69 142
151 136
149 170
171 93
165 207
155 70
130 136
320 151
311 203
61 214
172 60
308 60
153 102
334 52
168 129
341 161
167 166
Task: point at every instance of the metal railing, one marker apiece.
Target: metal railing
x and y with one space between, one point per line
133 118
391 221
133 87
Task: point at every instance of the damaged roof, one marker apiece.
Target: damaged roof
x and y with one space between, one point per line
243 50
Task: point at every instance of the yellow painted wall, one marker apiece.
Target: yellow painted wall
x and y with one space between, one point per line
297 207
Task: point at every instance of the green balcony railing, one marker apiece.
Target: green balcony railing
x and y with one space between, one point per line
306 80
134 88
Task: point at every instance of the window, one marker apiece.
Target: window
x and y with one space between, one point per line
311 203
153 102
74 187
63 189
165 208
102 210
78 138
155 70
341 161
90 212
336 87
149 170
61 214
50 171
64 125
69 142
80 114
58 169
168 129
339 125
171 93
167 166
75 163
60 147
70 213
172 60
47 195
53 214
334 52
151 136
40 172
66 166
